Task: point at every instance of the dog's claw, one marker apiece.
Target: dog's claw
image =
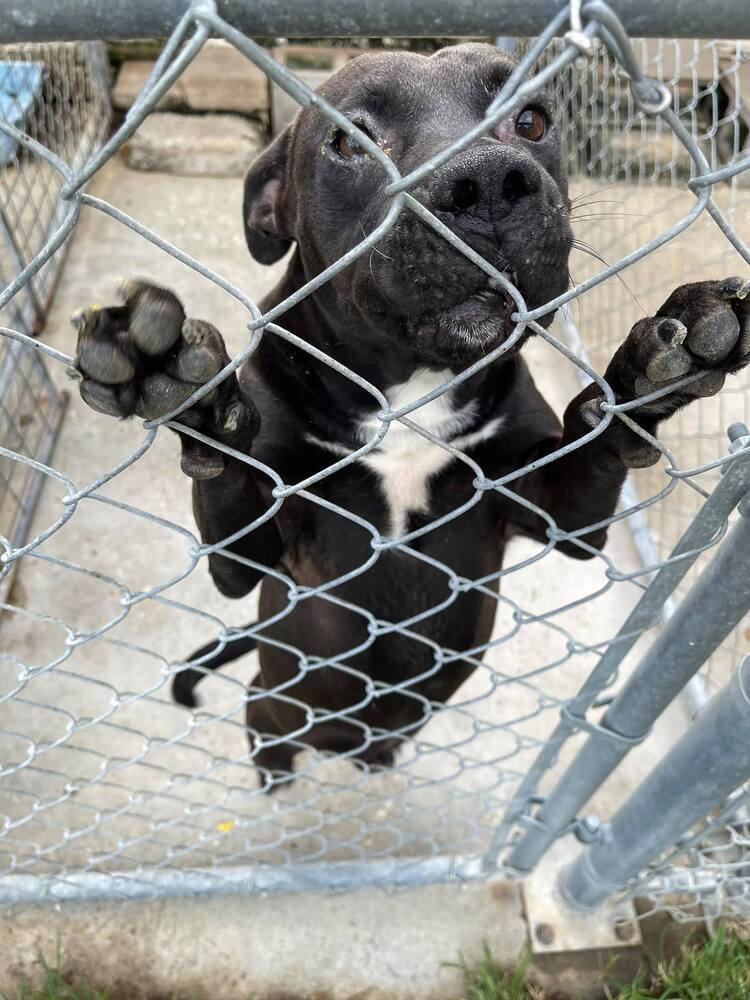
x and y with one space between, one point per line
735 288
233 418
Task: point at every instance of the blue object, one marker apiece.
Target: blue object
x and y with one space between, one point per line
20 84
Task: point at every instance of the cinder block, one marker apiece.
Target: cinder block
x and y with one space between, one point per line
194 145
219 79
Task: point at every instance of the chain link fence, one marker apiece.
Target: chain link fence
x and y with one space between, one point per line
632 171
109 789
59 95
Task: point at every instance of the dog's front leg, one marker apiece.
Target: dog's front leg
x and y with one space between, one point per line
702 327
145 358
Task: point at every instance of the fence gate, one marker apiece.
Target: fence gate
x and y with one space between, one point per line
109 790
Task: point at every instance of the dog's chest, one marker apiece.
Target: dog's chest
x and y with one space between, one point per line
406 461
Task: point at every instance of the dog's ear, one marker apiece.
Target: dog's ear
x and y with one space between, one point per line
268 231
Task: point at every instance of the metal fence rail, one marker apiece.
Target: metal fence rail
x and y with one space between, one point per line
92 721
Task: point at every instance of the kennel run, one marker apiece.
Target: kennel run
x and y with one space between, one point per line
563 734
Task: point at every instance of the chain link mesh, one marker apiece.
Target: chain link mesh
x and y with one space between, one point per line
107 787
632 171
58 94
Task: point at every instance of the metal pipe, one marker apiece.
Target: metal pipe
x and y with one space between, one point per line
712 516
69 20
711 759
715 604
153 882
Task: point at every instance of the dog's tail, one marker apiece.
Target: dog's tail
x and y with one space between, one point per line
185 681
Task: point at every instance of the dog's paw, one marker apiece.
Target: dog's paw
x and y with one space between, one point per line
146 358
702 328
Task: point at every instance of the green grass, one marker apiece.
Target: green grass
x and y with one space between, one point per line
719 969
488 982
56 987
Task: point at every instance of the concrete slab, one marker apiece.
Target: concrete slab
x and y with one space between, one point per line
194 145
110 776
219 79
366 945
101 751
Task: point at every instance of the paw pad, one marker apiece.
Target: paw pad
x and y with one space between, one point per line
156 317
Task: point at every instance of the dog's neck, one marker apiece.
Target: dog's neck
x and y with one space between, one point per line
341 417
343 411
408 455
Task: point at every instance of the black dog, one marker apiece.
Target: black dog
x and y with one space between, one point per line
406 318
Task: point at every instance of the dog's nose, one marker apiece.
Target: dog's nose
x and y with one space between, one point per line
494 178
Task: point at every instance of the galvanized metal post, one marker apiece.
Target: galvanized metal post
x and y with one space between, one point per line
48 20
711 760
715 604
567 799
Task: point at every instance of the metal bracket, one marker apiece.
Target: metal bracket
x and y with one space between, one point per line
554 927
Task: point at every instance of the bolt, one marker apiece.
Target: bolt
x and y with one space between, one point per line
545 933
624 930
739 438
737 431
589 829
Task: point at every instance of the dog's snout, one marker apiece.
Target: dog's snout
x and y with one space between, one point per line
516 185
492 179
465 194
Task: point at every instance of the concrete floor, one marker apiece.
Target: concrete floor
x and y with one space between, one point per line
107 774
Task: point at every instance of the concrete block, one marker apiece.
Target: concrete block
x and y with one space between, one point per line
194 145
219 79
364 945
313 66
130 80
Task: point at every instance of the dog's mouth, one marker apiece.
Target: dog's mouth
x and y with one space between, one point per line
489 305
474 326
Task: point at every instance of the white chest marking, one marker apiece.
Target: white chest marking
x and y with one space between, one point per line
404 460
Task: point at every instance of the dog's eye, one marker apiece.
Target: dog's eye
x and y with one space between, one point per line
531 124
346 145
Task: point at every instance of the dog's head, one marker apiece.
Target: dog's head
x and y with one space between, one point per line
505 196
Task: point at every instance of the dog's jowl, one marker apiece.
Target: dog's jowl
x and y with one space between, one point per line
406 317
